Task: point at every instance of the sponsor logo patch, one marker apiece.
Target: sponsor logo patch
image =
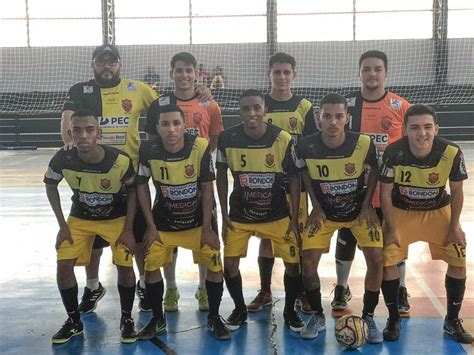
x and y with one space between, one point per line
257 181
416 193
339 188
395 104
114 121
95 199
182 192
87 89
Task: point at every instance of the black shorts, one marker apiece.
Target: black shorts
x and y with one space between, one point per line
139 228
346 242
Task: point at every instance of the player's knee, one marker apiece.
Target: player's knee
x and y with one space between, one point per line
457 272
390 273
65 273
292 269
126 276
375 261
231 267
214 276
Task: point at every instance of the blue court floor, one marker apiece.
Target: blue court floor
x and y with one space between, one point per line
31 309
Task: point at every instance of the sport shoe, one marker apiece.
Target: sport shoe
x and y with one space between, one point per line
341 297
293 321
391 332
154 327
302 302
263 299
456 330
217 327
67 331
127 331
170 303
315 324
374 336
90 299
403 305
143 301
236 319
201 296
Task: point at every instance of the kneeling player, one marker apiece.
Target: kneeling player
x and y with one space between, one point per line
333 164
260 156
181 168
417 207
103 203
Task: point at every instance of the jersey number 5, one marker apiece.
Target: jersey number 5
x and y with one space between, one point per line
243 162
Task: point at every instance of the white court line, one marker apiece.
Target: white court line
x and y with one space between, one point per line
21 161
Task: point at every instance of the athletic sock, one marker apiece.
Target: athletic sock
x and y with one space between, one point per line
142 281
69 297
291 290
402 271
234 286
265 266
455 294
371 299
170 272
343 269
314 300
202 275
127 294
155 295
214 296
390 295
92 284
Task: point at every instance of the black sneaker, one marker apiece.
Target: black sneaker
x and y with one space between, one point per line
90 299
403 305
341 297
143 301
67 331
127 331
456 330
217 327
154 327
293 321
236 319
391 332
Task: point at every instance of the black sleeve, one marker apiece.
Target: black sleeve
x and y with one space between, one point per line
458 171
207 167
144 171
152 118
289 161
128 178
309 123
74 100
371 158
221 158
53 174
386 169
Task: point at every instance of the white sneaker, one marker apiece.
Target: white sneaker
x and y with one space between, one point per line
315 324
374 336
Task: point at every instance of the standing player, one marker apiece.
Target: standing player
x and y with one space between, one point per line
203 119
103 203
416 207
295 115
260 156
378 113
181 167
333 164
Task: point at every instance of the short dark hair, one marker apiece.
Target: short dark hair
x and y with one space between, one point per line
374 54
333 98
84 112
252 92
282 57
169 108
185 57
418 110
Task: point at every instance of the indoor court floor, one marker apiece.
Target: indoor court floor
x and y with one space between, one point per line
31 309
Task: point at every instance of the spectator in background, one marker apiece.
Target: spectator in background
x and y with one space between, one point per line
218 80
203 77
152 78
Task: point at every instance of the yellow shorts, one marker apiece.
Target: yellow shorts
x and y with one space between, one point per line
427 226
83 234
321 238
159 255
285 246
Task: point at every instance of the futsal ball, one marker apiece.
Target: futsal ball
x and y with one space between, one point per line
351 331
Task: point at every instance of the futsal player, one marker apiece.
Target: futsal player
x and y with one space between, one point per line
333 164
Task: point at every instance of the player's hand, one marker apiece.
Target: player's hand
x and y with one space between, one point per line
209 237
390 236
68 146
293 228
316 218
127 239
204 93
151 235
367 213
455 235
63 235
226 224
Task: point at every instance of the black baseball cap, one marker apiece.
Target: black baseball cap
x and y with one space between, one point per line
106 48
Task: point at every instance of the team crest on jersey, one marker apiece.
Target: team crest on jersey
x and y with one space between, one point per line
131 87
189 170
197 117
127 105
433 178
350 169
105 184
293 122
269 160
386 123
395 104
87 89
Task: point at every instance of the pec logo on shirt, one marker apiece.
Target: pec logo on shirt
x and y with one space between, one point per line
105 184
386 123
269 160
349 169
197 117
189 171
293 122
433 178
127 105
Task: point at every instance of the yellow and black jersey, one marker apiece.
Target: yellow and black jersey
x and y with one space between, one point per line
338 175
118 108
258 168
177 178
420 184
295 116
99 190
